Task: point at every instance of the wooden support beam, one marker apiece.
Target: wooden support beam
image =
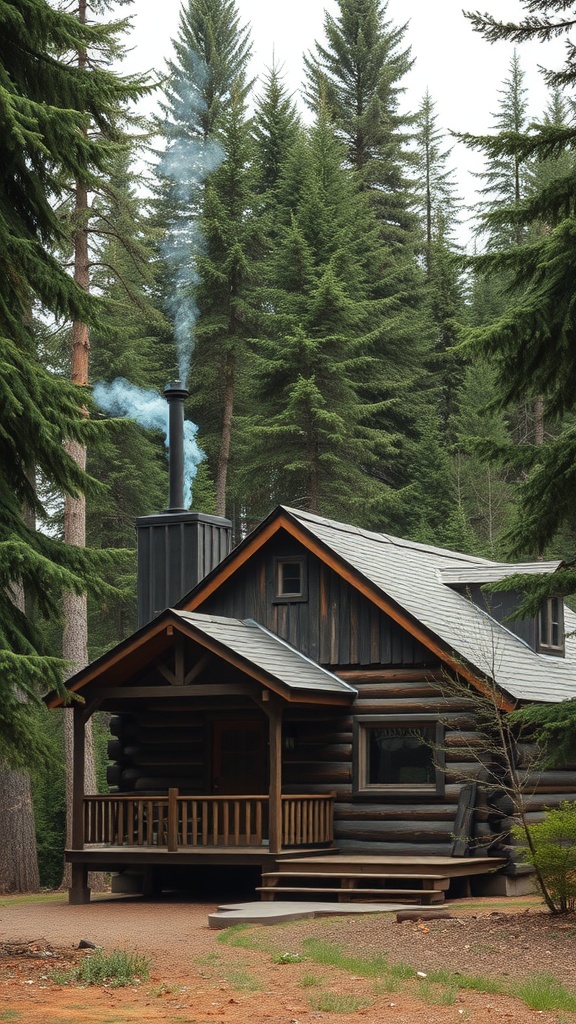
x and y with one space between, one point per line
201 690
166 672
274 711
179 667
78 891
197 669
172 820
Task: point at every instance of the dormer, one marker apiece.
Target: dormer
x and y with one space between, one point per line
544 633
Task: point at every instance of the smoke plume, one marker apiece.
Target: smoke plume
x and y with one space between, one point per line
150 410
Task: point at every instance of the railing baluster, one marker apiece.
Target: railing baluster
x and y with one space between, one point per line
234 821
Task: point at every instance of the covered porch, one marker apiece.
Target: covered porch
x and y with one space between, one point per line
226 688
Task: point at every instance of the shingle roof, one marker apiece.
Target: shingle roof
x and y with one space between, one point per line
263 649
413 575
493 572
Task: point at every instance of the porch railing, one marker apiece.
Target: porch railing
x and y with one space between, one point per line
186 822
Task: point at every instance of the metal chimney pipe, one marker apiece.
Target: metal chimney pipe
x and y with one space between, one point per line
175 394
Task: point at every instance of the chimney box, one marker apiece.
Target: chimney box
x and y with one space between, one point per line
175 551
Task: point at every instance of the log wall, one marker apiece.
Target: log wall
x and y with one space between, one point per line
322 759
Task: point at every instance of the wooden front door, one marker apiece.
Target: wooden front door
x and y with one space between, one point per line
239 749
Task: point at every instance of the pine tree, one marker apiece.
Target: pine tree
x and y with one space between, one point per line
129 343
208 185
357 76
312 439
507 177
47 103
532 342
438 207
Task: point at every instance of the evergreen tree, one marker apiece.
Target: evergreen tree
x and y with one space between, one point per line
46 106
314 438
438 207
129 343
532 342
357 76
275 127
507 177
208 185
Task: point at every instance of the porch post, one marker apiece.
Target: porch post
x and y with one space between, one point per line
275 801
79 891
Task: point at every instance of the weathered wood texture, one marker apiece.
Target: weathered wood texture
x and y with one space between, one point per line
335 625
322 758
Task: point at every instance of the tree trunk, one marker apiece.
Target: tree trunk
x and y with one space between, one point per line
225 437
18 862
75 633
18 857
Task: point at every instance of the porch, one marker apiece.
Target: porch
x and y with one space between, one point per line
190 823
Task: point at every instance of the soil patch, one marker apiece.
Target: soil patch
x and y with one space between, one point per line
197 978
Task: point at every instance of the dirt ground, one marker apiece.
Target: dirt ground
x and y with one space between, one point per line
196 978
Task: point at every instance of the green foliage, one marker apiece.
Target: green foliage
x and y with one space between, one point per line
118 968
530 340
47 105
554 727
550 845
49 800
288 958
357 77
241 979
329 955
333 1002
237 935
544 992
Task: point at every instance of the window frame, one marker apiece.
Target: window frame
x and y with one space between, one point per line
544 646
363 789
279 596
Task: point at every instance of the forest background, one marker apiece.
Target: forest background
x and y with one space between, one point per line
304 275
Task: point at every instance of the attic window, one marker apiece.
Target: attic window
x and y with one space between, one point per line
398 755
551 626
291 582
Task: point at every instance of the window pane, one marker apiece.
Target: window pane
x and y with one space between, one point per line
401 757
543 625
290 578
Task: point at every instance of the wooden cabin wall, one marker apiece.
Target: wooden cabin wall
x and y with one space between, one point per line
541 791
335 625
155 750
322 760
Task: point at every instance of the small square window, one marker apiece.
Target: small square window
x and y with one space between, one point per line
291 583
398 755
551 626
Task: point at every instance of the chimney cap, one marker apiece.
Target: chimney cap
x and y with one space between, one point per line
175 390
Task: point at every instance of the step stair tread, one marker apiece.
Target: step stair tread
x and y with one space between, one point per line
342 890
353 874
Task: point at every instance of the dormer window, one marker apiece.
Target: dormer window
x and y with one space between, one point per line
551 626
291 581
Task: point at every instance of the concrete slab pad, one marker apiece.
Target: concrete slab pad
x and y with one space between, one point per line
273 912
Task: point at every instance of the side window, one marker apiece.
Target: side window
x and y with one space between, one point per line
398 755
551 626
291 579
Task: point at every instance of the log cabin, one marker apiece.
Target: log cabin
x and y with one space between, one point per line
308 704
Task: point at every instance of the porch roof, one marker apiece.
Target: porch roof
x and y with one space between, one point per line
259 646
249 650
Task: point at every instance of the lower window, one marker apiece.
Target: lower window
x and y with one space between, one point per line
398 755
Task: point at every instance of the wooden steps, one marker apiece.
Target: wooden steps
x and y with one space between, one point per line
403 879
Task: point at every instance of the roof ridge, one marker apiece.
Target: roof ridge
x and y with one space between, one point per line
385 538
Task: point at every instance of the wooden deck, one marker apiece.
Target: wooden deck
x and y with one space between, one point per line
420 880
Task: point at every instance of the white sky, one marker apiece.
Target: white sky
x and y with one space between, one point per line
462 72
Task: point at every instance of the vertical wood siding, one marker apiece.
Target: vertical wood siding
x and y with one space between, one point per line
336 625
